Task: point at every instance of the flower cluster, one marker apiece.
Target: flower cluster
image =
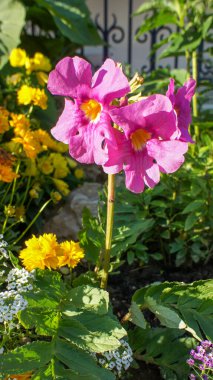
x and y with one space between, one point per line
31 95
201 361
3 245
45 251
11 300
118 360
142 138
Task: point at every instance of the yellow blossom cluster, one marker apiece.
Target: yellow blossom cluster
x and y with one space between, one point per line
55 163
44 251
27 95
6 172
33 142
18 58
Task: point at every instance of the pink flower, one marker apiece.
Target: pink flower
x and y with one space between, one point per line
181 103
148 143
85 121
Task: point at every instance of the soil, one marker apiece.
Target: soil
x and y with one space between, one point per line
123 285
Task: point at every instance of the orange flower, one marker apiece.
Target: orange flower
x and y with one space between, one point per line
4 124
7 174
24 376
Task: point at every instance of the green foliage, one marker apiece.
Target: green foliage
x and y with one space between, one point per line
191 32
12 18
64 26
69 324
178 308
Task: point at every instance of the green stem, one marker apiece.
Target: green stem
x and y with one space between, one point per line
11 196
6 192
188 59
33 221
109 228
26 191
194 99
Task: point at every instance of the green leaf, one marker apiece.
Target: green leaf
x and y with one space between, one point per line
73 20
166 316
26 358
12 19
194 205
190 221
164 347
80 362
136 316
96 340
160 18
89 298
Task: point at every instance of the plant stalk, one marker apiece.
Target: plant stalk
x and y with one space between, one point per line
194 99
32 221
109 228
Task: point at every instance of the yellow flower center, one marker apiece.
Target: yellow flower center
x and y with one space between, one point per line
91 109
139 138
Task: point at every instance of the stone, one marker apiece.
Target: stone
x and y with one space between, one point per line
67 221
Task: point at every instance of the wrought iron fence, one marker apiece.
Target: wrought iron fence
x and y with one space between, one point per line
114 33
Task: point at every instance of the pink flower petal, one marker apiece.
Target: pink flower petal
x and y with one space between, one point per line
68 77
154 113
168 154
66 121
134 181
151 171
109 82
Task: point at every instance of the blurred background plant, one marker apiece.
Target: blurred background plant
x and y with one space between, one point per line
33 168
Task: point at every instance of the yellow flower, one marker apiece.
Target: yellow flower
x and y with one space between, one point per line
79 173
33 193
55 196
7 174
41 62
41 252
4 123
45 139
29 65
45 165
39 98
72 164
17 57
72 253
20 123
9 210
42 78
61 186
30 144
60 165
25 95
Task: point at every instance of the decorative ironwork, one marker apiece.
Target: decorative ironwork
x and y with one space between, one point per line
117 35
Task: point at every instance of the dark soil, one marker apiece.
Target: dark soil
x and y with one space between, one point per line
123 285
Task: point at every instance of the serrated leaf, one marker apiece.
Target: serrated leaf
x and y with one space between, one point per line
81 362
89 298
26 358
94 340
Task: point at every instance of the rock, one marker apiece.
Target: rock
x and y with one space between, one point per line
67 221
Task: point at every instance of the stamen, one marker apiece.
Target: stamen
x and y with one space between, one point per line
91 108
139 139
